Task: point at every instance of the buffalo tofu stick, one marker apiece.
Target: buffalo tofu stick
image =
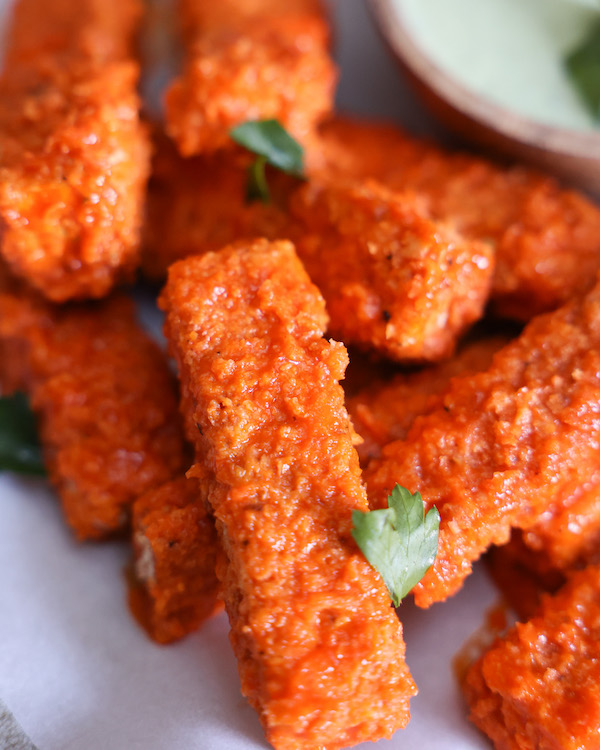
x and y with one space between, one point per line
537 687
249 60
506 444
384 411
319 647
199 204
105 401
546 238
74 156
393 280
174 587
537 559
567 535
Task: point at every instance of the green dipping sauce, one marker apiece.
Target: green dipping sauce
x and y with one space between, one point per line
510 51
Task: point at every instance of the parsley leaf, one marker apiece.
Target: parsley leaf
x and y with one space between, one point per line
400 541
19 446
583 66
274 146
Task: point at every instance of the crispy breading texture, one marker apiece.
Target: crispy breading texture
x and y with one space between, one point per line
392 279
384 411
174 587
567 535
506 443
74 157
564 538
538 686
546 238
199 204
386 282
249 61
319 648
105 401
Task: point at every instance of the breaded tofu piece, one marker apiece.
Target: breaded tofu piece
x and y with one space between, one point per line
74 157
506 444
521 590
249 60
199 204
13 366
568 534
565 537
14 359
537 687
106 405
319 647
546 238
384 411
174 586
393 280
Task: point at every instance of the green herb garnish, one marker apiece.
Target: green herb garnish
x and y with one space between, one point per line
274 146
19 446
583 66
400 541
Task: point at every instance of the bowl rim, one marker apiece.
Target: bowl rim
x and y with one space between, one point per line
472 105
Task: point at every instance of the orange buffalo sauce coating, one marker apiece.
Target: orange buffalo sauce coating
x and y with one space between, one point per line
506 444
174 587
199 204
14 367
249 60
384 411
319 647
74 156
546 238
392 279
563 538
538 686
105 401
568 534
520 578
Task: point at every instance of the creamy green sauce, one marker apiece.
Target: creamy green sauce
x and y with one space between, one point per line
510 51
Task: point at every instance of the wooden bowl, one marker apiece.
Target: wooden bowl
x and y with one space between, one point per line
570 154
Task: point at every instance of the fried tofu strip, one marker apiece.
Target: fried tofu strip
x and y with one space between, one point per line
199 204
174 586
546 239
401 285
564 538
105 401
319 648
384 411
14 359
538 686
74 157
521 589
392 279
567 535
249 60
506 444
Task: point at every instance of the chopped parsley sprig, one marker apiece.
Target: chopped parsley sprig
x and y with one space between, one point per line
273 146
400 541
19 446
583 66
